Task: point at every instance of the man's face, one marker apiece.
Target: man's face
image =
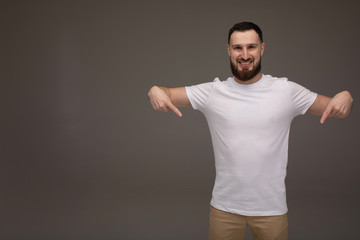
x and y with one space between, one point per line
245 51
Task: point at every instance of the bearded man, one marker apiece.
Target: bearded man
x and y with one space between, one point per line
249 117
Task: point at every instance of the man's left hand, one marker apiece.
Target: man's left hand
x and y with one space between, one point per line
339 106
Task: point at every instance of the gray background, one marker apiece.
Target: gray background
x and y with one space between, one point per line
84 156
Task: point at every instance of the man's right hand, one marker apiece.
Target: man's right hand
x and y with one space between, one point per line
160 99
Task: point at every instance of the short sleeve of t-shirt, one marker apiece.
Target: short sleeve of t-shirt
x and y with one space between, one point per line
199 94
302 97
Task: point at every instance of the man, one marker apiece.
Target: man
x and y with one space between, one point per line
249 117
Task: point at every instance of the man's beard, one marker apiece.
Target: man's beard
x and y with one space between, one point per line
245 74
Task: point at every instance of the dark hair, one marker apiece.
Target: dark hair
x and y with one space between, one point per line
245 26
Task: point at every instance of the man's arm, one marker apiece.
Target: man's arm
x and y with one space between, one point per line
338 107
168 99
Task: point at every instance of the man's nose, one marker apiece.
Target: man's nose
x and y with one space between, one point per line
245 54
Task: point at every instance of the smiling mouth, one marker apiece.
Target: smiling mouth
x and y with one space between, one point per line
245 64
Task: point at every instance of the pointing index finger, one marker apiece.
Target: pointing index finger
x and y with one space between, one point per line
326 114
175 110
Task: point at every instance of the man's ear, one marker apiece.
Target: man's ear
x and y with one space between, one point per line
228 49
262 48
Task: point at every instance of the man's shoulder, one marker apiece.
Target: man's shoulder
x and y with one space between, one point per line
215 82
276 82
276 79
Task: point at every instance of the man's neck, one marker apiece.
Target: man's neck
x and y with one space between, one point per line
251 81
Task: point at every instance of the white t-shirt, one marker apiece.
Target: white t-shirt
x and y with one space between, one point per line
249 126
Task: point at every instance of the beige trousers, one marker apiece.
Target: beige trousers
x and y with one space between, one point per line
229 226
